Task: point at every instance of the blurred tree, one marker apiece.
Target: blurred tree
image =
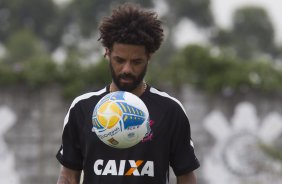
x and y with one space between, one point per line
39 71
98 74
189 65
21 46
27 61
8 76
252 33
217 74
77 79
40 16
88 13
25 31
71 76
196 10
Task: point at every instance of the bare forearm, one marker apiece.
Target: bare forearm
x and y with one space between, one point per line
68 176
189 178
63 180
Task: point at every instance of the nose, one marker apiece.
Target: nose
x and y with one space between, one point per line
127 68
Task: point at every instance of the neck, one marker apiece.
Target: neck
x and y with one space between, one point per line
141 88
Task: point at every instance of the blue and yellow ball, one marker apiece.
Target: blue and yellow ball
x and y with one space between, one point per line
121 119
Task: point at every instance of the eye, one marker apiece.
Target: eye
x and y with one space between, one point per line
119 60
137 62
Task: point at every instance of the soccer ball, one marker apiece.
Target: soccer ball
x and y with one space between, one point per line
120 119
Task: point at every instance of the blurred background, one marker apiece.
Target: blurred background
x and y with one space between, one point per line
222 59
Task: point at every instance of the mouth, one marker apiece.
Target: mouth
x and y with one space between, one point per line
126 80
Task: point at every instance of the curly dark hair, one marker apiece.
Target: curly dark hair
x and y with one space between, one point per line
130 24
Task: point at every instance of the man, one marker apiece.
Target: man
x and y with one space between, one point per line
130 36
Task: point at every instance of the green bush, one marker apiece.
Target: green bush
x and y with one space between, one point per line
195 65
39 71
9 75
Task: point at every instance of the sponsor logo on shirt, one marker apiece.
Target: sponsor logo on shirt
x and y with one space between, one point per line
149 135
124 167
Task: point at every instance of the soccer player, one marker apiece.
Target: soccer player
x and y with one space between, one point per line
130 35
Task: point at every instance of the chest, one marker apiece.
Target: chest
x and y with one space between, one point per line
160 125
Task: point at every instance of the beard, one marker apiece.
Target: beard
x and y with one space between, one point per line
129 87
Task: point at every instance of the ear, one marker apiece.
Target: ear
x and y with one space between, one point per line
107 52
149 57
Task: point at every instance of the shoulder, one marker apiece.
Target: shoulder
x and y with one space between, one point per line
83 98
86 96
166 99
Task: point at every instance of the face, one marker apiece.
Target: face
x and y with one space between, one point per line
128 64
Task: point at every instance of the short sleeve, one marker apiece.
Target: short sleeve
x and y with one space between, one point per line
182 155
69 154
